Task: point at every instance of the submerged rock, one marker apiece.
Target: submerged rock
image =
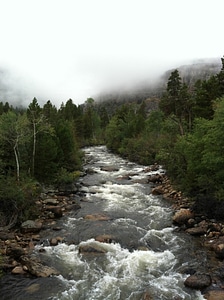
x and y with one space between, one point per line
97 217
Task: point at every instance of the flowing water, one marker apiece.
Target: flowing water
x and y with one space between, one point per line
137 221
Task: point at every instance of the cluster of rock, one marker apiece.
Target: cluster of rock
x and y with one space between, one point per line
210 232
16 246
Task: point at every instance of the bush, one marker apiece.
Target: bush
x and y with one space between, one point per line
64 176
17 199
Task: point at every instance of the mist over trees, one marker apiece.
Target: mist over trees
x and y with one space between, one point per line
180 127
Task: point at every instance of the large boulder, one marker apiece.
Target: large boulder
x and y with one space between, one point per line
30 226
91 249
36 268
109 169
198 281
56 210
182 216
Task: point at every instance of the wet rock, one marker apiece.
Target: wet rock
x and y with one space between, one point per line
109 169
56 240
105 238
30 226
53 242
97 217
124 177
56 210
214 295
158 190
198 281
200 230
91 249
146 296
182 216
157 178
90 171
37 269
74 206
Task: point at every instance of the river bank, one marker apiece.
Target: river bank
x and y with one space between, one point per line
17 245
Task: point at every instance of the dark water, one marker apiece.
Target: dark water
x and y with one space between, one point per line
136 220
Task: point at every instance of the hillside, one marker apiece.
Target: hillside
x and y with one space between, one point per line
190 73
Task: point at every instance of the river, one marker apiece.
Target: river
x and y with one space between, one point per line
136 221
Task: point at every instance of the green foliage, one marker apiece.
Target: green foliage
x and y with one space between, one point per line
17 199
64 176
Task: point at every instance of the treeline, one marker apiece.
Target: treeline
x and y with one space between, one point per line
41 145
185 134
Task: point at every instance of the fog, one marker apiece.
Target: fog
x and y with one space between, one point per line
56 50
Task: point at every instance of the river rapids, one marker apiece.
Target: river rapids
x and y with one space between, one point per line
146 257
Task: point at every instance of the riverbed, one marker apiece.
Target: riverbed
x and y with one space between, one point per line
145 254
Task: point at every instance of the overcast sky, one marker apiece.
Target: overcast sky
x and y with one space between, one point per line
61 49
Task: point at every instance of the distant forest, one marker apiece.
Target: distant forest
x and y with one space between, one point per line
179 125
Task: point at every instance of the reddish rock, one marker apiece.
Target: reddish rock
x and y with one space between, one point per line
158 190
97 217
182 216
214 295
91 249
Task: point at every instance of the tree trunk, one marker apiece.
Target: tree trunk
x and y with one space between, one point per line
34 147
17 162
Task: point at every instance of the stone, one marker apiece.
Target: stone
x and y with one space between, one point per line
182 216
37 269
197 230
109 169
105 238
146 296
157 178
54 242
30 226
50 201
15 252
198 281
97 217
91 249
18 270
158 190
219 250
74 206
215 295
